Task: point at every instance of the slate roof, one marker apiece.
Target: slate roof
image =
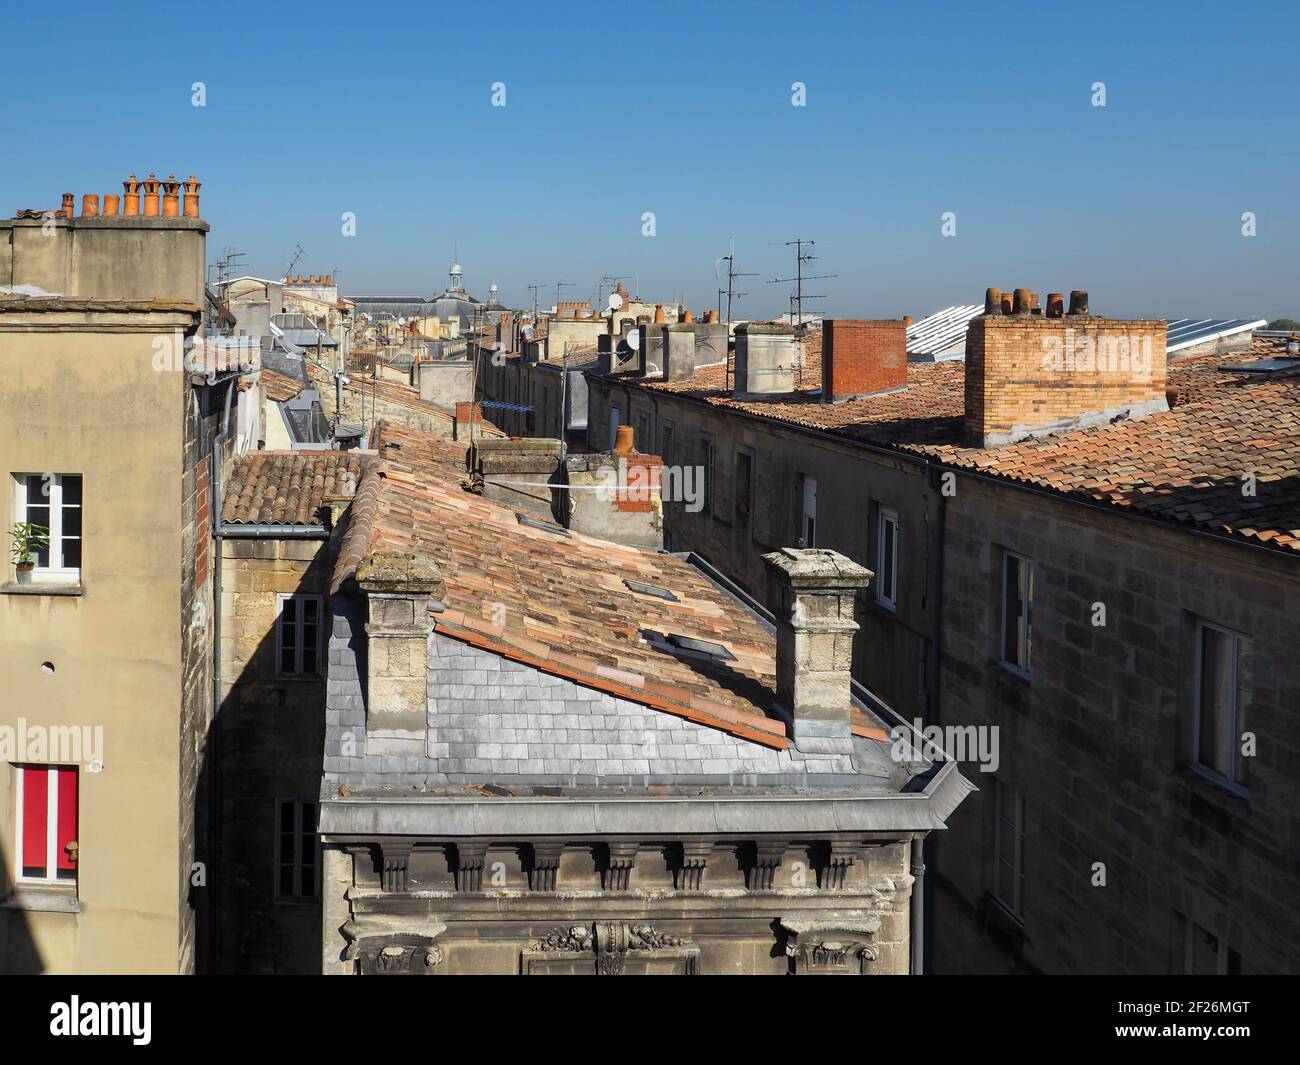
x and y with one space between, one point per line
289 487
1183 466
557 600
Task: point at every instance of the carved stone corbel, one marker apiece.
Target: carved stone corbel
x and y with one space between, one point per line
469 866
546 865
622 856
767 860
395 865
695 858
843 854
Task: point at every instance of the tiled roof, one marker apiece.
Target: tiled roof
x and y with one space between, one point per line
558 602
1185 465
289 487
280 387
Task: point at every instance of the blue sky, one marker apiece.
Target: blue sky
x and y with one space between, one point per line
613 110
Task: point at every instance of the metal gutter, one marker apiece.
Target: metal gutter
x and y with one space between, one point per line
238 531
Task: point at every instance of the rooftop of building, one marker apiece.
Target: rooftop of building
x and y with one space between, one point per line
280 387
603 615
290 487
1184 466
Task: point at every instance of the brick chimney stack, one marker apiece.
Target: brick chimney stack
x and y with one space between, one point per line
1029 373
862 357
814 644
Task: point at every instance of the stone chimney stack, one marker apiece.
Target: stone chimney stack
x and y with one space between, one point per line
814 644
398 589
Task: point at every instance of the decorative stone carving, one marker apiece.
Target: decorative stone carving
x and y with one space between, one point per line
378 951
610 948
831 946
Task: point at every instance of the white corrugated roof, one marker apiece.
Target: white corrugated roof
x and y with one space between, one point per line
940 330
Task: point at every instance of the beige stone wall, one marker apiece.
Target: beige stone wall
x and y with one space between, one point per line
117 257
115 648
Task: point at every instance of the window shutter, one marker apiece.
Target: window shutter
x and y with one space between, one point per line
67 827
36 805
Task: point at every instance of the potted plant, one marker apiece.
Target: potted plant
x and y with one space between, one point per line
27 540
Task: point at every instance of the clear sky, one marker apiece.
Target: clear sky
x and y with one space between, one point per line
685 110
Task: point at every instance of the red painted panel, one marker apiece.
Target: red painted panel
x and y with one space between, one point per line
36 803
67 829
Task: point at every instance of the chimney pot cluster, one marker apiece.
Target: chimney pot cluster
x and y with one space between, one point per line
161 199
1022 301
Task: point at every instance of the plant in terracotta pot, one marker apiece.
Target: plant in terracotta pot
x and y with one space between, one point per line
27 540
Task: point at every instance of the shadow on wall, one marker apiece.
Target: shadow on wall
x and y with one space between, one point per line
271 735
19 955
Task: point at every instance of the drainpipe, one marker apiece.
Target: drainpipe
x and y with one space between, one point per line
918 905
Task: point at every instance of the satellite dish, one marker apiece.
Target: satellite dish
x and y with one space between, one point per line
615 301
634 339
527 332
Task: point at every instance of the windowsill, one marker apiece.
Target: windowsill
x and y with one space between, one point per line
886 606
64 588
1014 670
299 678
1002 917
1202 774
41 898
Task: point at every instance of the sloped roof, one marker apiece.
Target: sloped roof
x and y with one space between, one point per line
280 387
1183 466
289 487
558 601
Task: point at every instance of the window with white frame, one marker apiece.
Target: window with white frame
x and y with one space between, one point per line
887 559
53 502
296 849
1219 715
1017 603
46 824
1008 846
297 636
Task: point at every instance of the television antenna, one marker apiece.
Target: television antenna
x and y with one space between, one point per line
798 296
732 274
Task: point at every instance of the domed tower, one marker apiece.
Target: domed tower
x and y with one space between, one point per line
456 274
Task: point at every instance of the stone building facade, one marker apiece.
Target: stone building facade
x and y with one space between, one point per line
500 798
1147 520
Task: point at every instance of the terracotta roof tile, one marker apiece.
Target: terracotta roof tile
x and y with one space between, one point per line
280 387
289 487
